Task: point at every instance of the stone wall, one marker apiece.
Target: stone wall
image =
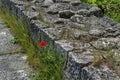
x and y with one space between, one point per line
75 29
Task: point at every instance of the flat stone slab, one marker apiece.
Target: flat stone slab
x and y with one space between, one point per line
12 66
15 75
13 62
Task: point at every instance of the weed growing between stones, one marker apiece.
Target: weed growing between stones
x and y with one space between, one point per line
113 61
109 58
51 65
40 17
45 63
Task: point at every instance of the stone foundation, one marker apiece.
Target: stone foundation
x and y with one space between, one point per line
75 29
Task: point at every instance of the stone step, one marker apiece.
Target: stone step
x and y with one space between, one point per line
12 66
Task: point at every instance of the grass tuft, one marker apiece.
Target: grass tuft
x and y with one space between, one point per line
43 60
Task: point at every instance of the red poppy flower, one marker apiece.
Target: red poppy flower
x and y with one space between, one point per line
42 43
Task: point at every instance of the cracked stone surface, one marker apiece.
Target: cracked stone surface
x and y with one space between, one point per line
78 31
13 65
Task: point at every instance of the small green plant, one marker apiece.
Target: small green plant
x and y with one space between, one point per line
14 41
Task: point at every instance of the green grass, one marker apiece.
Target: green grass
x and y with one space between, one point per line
111 7
43 60
50 69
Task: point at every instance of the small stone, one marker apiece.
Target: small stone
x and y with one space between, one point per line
31 14
96 11
62 1
76 25
47 3
79 34
60 21
83 12
117 33
96 32
77 18
20 3
76 3
54 9
65 1
52 12
33 8
66 14
110 30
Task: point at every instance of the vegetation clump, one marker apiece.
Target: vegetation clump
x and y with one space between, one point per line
46 65
111 8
